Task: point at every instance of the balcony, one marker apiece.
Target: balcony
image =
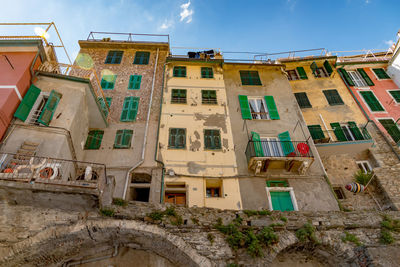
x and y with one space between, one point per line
292 156
56 174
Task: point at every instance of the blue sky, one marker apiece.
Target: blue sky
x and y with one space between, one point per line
247 25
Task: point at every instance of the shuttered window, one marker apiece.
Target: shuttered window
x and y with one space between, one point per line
272 109
103 105
108 82
346 76
316 132
381 73
302 73
371 101
355 131
114 57
123 138
281 201
209 97
255 137
179 71
250 77
333 97
177 138
93 140
178 96
337 129
244 106
328 67
292 75
365 76
256 109
286 143
27 103
302 99
50 107
277 184
207 72
134 82
141 58
395 95
130 108
391 128
212 139
357 79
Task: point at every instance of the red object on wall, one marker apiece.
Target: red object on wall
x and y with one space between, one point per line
303 148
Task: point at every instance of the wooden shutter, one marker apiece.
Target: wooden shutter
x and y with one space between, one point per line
338 131
372 101
244 106
281 201
316 132
27 103
255 137
125 109
302 73
346 77
314 68
355 131
137 79
381 73
126 138
118 139
273 111
365 77
133 108
391 128
49 108
328 67
286 143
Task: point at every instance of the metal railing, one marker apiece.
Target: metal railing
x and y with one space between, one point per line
209 101
127 37
27 168
363 55
345 134
278 149
178 100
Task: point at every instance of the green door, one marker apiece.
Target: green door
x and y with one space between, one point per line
281 201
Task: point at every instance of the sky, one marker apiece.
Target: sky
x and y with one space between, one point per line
266 26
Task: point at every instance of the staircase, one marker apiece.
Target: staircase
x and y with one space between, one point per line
24 154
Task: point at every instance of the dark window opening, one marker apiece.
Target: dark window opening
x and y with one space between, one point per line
140 194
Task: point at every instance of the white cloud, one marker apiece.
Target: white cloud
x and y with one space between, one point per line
186 13
166 25
367 1
389 43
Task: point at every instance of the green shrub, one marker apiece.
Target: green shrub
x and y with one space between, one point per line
250 212
264 212
170 211
195 220
283 219
307 233
386 237
109 212
210 238
351 238
120 202
362 178
268 236
390 224
156 215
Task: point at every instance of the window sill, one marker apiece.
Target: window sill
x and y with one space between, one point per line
107 89
252 84
207 78
212 149
112 63
133 89
342 104
305 107
177 148
182 103
214 197
139 64
121 147
91 148
179 76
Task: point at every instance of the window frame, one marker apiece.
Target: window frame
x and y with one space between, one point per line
393 90
174 146
270 140
306 97
130 108
359 78
376 75
209 100
333 104
179 99
257 80
213 184
207 74
124 133
281 189
389 118
366 103
114 58
363 163
133 83
141 58
43 96
259 113
113 83
178 72
295 72
100 138
212 137
324 72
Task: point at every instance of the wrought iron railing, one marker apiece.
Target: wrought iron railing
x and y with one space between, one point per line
344 134
127 37
34 169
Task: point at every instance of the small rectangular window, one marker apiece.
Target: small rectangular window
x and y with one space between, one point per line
392 129
130 108
212 139
250 77
258 109
357 79
213 188
178 96
395 95
292 75
277 184
207 72
364 166
93 140
302 99
333 97
123 138
372 102
141 58
209 97
316 132
177 138
103 104
108 82
114 57
134 82
179 71
338 192
381 73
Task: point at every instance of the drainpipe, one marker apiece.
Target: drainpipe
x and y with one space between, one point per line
145 130
32 65
326 128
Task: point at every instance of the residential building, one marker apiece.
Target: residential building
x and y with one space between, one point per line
130 73
278 167
195 138
394 63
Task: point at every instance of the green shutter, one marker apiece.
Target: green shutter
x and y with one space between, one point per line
134 82
287 145
277 183
126 138
273 111
281 201
302 73
338 131
314 68
27 103
49 108
365 77
391 128
316 132
118 139
255 137
395 95
244 106
355 131
133 109
372 101
346 77
381 73
94 139
125 109
328 67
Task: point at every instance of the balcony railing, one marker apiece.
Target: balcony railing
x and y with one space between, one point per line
33 169
345 134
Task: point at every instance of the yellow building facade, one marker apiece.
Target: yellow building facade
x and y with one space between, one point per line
195 137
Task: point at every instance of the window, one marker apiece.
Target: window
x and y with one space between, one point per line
357 79
213 188
178 96
271 147
212 139
392 128
38 108
348 132
292 75
130 108
381 73
123 139
179 71
320 72
281 200
114 57
258 109
277 184
333 97
371 101
93 140
108 82
49 108
364 166
103 105
316 132
395 95
338 192
302 99
177 138
141 58
134 82
207 72
249 77
209 97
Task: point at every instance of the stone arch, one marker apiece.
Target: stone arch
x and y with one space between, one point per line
56 245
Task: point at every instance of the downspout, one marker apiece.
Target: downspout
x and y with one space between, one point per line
368 118
145 130
32 65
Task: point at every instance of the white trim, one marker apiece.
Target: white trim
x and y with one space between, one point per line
12 87
362 162
366 104
371 69
388 91
359 77
281 189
